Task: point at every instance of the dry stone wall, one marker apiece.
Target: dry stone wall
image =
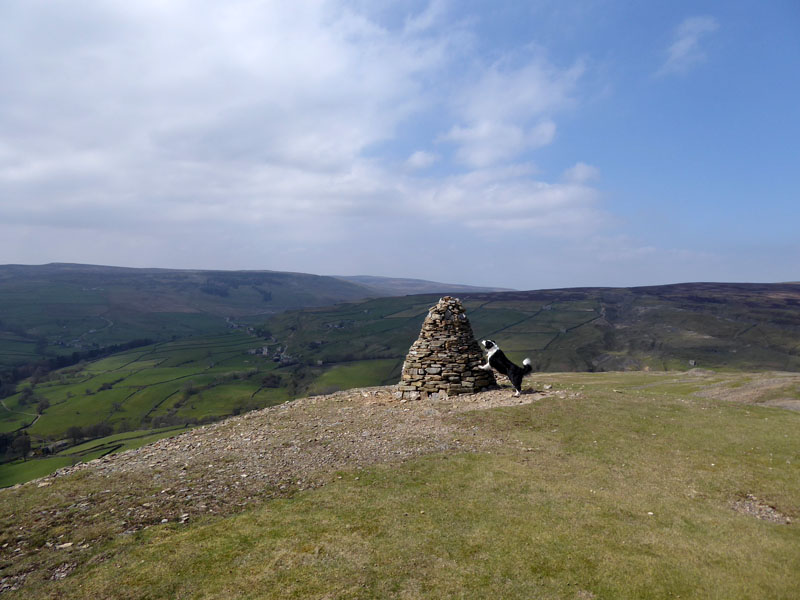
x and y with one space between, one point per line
445 358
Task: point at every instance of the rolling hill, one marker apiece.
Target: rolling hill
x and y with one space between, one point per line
671 327
396 286
63 308
59 309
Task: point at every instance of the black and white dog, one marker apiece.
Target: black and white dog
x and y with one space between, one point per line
499 361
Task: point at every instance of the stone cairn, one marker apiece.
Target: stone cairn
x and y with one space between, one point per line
445 358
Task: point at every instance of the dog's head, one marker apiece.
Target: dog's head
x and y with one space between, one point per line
488 344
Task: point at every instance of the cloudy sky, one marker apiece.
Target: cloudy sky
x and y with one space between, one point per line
524 144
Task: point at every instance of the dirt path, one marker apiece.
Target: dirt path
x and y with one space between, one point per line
19 412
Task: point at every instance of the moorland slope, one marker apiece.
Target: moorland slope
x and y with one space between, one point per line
670 327
64 308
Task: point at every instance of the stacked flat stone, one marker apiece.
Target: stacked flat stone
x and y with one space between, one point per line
445 358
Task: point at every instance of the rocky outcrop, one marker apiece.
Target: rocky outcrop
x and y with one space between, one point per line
445 358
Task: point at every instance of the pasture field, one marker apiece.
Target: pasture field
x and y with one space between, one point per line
20 471
15 348
362 373
386 327
13 419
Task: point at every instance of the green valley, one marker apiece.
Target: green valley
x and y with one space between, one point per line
319 350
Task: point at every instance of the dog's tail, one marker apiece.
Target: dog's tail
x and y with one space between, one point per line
526 366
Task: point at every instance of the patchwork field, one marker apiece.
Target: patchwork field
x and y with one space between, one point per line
137 393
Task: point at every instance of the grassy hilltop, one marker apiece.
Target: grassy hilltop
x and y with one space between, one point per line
609 485
666 480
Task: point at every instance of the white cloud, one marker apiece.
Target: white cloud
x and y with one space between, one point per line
502 199
685 50
507 109
581 173
518 88
421 159
224 135
488 142
245 111
194 105
432 14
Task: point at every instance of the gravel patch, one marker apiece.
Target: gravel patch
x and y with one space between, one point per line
752 506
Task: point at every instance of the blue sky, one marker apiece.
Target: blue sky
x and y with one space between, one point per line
518 144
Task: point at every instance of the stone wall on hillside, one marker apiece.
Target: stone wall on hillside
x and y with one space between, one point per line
445 358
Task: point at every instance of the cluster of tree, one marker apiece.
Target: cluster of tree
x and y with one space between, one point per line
232 376
189 389
214 289
109 384
245 406
262 331
98 430
176 420
272 381
299 379
28 397
14 445
266 295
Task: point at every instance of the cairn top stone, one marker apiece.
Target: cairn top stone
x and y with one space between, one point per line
445 358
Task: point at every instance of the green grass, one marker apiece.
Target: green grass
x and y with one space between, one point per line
141 380
11 421
186 381
21 471
359 374
129 440
622 488
217 402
